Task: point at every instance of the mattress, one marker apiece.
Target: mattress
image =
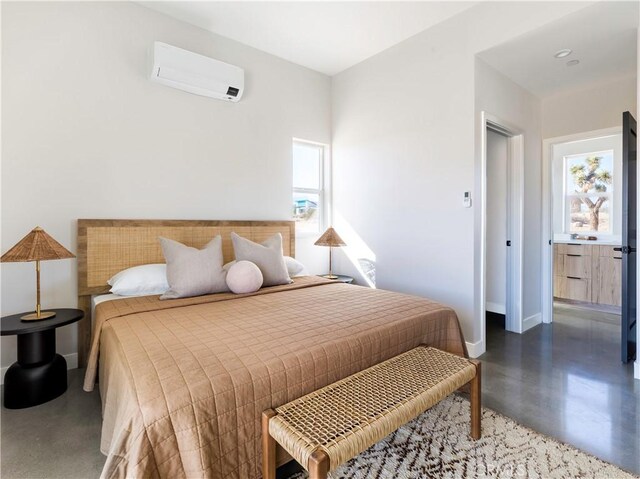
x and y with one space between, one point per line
184 382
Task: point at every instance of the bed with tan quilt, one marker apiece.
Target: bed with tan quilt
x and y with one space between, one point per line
184 382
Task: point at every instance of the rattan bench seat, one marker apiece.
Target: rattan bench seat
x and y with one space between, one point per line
345 418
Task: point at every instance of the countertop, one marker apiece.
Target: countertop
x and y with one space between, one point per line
598 242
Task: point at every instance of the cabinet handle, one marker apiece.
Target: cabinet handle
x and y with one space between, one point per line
573 277
616 257
574 244
578 255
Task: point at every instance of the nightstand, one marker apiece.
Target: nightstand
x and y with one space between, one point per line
341 278
40 374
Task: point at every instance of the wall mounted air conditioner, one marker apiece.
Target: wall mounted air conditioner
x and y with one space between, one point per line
188 71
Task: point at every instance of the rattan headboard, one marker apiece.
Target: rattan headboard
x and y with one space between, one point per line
106 247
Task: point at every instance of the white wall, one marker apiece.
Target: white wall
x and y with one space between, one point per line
497 157
498 95
594 108
404 149
86 135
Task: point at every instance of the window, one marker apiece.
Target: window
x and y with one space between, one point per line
588 192
308 186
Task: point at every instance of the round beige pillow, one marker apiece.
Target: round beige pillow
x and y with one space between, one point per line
244 277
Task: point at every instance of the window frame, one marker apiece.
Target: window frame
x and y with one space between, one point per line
323 191
567 196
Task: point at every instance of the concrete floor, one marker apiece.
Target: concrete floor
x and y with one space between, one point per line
564 380
58 439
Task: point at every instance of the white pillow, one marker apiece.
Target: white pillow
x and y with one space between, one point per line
144 280
294 267
266 256
244 277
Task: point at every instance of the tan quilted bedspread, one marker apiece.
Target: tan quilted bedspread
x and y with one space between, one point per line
184 382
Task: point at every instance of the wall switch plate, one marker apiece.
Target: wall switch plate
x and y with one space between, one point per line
467 199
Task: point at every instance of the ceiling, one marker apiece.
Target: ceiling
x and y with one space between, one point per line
325 36
602 36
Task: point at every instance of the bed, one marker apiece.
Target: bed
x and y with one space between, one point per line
183 382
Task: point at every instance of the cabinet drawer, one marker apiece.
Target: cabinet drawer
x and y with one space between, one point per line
577 266
574 248
609 252
576 289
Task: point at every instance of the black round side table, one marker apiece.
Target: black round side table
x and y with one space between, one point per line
341 278
40 374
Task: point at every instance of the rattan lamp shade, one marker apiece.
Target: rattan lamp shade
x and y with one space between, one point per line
36 246
331 239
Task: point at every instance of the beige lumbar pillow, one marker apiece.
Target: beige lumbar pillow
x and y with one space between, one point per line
267 256
192 271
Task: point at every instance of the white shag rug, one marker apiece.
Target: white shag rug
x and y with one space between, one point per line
437 445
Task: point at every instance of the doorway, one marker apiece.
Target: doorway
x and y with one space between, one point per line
579 271
502 166
497 227
589 228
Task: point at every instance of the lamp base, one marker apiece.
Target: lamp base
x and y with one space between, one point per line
35 317
330 276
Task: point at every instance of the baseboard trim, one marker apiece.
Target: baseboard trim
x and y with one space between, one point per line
495 308
531 321
72 363
475 349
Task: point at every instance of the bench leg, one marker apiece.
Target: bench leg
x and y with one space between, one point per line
476 403
268 447
318 465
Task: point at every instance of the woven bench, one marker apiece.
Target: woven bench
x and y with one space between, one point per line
326 428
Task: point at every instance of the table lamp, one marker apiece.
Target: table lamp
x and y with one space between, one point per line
36 246
331 239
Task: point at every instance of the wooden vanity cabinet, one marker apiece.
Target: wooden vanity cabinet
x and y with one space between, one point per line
587 273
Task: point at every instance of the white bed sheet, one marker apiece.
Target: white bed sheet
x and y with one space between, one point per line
101 298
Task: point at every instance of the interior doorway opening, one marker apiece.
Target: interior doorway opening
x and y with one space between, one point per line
502 225
582 224
589 222
497 227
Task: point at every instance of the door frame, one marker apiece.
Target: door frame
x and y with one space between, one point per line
547 210
515 223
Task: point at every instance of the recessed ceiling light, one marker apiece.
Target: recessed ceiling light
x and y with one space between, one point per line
572 63
565 52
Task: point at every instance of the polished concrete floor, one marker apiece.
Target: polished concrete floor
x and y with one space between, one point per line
564 380
58 439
